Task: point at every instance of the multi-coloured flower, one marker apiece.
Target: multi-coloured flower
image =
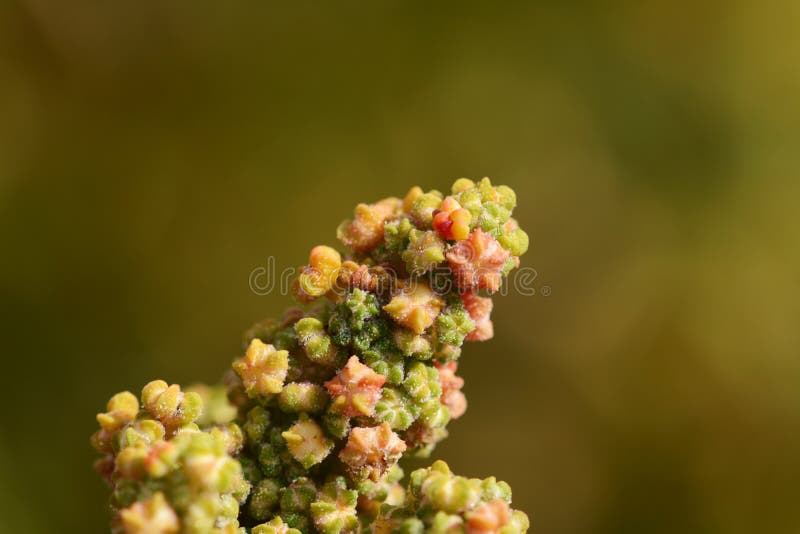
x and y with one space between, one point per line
262 369
451 221
334 511
371 451
477 262
355 389
307 442
415 306
365 231
425 251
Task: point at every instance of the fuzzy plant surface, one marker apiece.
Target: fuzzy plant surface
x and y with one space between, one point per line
305 433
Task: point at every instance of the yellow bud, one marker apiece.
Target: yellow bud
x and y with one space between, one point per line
462 184
122 409
411 196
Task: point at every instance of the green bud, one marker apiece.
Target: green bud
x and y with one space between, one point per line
461 185
363 306
339 326
256 425
317 345
229 510
470 200
334 510
442 490
336 425
269 459
297 497
250 469
424 206
453 324
299 397
433 414
487 191
373 330
519 523
142 432
515 241
300 522
276 526
264 499
444 523
201 514
422 382
494 489
395 408
384 359
509 265
231 435
170 405
506 197
425 250
285 339
413 345
492 218
217 409
446 352
395 234
125 492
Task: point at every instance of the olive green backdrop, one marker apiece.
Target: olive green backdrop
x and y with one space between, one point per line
153 154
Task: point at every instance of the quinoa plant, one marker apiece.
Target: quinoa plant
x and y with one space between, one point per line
306 431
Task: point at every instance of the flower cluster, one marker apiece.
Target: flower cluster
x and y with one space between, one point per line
323 403
438 501
166 472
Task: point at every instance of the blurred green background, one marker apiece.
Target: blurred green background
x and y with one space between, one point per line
153 154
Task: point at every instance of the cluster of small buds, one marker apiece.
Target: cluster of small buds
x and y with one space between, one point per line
167 473
325 402
438 501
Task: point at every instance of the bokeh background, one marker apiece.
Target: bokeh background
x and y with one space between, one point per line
152 154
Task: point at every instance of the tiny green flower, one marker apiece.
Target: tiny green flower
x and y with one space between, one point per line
422 382
425 251
453 324
334 510
396 408
413 345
